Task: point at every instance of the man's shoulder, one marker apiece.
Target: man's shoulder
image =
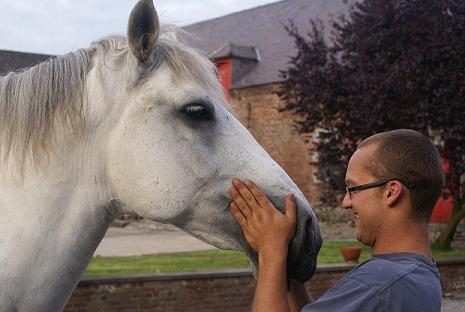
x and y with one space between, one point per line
395 282
383 271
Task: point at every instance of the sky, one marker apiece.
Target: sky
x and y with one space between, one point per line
61 26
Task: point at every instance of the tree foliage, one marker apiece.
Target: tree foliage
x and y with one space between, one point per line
390 64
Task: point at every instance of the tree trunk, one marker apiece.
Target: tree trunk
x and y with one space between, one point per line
447 235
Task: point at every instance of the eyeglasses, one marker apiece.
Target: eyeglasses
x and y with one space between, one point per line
367 186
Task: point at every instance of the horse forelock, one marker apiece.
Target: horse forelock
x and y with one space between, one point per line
35 101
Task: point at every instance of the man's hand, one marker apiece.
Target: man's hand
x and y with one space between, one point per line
266 229
269 232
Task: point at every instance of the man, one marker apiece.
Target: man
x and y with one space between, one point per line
393 182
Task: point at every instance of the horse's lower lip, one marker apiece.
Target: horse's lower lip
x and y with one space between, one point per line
302 269
302 262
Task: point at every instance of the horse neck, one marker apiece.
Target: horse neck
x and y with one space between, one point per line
51 223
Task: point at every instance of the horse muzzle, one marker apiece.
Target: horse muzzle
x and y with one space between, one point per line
304 248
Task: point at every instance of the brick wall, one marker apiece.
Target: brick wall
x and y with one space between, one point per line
452 277
225 291
229 291
257 108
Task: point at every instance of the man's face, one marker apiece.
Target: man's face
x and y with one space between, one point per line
365 204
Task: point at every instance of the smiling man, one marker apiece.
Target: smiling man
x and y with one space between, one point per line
393 182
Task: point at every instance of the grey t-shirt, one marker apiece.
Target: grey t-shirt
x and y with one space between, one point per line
387 282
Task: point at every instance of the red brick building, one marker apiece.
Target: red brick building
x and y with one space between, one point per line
251 48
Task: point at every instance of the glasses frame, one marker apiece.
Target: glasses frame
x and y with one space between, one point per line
378 183
367 186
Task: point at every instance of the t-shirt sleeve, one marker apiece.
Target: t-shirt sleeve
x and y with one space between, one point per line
347 295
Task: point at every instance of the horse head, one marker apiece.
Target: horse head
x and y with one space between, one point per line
174 144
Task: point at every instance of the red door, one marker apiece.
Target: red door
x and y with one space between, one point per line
225 70
442 212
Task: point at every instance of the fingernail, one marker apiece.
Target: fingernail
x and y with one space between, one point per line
236 182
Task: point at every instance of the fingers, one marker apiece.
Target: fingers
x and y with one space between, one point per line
243 197
240 218
240 203
249 197
263 225
291 210
246 193
259 195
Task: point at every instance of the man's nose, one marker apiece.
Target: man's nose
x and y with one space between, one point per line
346 201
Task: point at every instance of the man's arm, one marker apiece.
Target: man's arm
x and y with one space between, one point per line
271 291
269 232
298 296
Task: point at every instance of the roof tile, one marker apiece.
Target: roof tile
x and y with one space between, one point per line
263 28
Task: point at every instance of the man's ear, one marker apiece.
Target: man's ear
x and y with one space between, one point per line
394 191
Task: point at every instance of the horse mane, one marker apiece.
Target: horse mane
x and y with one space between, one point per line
35 101
32 99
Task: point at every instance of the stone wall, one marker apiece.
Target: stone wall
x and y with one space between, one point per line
225 291
452 277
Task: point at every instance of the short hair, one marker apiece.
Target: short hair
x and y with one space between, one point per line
410 157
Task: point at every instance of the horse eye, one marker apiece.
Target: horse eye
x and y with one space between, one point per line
197 111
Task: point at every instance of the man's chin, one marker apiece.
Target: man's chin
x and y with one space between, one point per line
358 235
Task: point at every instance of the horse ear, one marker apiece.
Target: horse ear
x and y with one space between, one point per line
143 30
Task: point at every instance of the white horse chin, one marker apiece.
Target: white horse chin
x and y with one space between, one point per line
204 221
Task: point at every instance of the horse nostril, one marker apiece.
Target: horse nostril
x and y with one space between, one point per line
308 223
308 226
312 235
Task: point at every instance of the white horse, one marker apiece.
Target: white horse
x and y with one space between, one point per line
127 125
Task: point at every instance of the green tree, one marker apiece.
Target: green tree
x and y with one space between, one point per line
391 64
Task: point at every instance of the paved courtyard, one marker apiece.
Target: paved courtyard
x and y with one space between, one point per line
135 241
